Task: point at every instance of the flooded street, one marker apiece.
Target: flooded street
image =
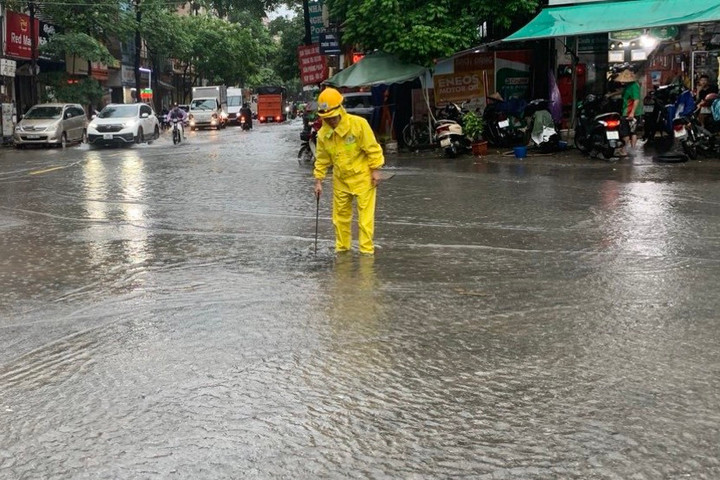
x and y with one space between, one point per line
163 315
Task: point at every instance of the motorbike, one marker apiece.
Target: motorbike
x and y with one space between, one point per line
503 122
695 138
449 135
541 126
597 132
656 111
308 137
176 131
245 123
448 131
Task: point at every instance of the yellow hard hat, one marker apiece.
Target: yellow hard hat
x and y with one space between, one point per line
329 102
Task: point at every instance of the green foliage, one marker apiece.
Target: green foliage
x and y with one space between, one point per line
85 92
421 31
81 45
473 126
290 33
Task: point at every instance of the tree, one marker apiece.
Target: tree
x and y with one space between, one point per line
420 31
290 33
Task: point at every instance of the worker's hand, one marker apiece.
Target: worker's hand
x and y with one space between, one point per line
375 177
318 188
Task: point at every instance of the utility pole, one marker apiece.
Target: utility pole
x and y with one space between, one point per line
138 49
33 54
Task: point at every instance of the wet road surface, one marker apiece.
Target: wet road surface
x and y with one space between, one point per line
162 315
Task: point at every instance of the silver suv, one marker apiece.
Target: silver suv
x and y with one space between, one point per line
51 124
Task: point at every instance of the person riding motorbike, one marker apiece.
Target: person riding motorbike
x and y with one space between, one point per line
181 115
246 113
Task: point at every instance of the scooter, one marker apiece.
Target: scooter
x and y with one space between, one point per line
176 131
694 137
449 135
656 111
245 123
597 134
503 124
308 137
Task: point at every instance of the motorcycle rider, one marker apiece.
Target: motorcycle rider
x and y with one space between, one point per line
181 115
247 114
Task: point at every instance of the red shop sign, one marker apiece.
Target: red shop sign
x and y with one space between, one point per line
18 42
313 66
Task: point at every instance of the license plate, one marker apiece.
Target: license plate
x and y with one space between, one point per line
613 135
680 133
504 124
107 136
33 137
445 142
649 108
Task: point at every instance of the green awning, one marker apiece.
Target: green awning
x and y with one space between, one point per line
612 16
377 68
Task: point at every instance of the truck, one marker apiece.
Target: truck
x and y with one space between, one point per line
271 104
208 107
235 100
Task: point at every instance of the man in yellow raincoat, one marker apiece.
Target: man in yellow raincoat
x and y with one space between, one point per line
347 143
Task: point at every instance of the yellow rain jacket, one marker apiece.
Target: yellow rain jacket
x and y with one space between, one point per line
352 151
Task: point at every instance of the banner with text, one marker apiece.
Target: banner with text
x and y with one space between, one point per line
313 65
18 42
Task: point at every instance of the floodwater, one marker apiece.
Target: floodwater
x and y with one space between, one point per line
163 315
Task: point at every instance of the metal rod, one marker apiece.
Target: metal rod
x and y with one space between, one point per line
317 215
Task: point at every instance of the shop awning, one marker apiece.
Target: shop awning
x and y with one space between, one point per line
377 68
612 16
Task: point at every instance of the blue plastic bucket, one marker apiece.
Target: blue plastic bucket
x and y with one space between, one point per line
520 152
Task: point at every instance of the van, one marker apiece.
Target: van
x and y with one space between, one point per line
51 124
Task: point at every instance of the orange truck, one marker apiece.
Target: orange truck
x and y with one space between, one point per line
271 104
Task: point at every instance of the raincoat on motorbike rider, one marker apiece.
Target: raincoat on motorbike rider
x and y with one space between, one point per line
354 153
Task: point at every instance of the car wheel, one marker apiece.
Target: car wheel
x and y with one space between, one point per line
84 138
157 133
63 140
139 138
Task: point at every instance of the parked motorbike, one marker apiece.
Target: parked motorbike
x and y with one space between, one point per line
597 133
503 122
308 137
694 138
176 131
657 112
449 135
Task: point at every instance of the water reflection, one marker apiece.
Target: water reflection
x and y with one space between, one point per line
117 198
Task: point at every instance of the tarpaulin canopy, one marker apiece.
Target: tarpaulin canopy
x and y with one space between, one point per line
612 16
378 68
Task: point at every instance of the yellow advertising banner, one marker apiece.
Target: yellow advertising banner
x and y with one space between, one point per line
461 86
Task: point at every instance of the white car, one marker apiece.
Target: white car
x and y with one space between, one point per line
120 123
360 104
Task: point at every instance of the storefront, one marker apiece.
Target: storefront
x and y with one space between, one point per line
672 40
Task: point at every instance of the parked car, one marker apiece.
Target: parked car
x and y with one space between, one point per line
359 103
51 124
120 123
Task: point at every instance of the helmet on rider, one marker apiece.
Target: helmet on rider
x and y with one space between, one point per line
329 102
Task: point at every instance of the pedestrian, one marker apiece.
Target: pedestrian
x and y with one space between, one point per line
347 143
702 89
631 107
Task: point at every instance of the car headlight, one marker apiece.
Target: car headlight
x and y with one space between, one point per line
224 115
18 128
130 123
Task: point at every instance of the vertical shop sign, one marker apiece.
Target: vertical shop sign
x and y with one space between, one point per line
18 42
313 65
317 25
513 73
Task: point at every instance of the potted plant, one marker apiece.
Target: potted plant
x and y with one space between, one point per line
473 125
